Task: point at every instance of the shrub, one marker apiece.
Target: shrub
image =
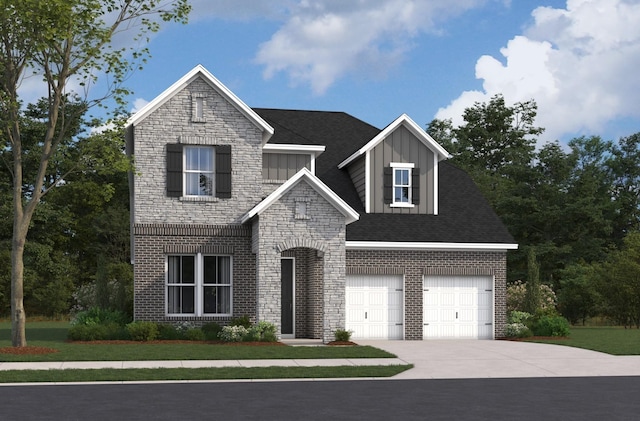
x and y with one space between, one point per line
167 332
241 321
516 297
517 330
519 317
95 332
142 331
342 335
550 325
211 331
99 316
233 333
261 332
194 335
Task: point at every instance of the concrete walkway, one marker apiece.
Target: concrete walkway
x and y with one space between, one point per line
431 359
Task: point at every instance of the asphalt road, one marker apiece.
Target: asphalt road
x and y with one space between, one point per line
592 398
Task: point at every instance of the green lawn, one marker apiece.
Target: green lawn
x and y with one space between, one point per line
611 340
158 374
53 335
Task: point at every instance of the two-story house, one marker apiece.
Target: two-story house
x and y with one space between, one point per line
310 220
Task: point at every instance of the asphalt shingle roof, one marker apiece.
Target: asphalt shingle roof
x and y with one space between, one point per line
464 215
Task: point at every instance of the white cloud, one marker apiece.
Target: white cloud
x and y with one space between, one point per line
321 41
138 104
578 63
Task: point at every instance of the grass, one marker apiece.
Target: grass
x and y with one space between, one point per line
611 340
54 334
186 374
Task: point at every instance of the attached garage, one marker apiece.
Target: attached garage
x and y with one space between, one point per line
458 307
374 307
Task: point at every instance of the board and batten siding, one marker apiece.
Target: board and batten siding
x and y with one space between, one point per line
402 146
357 174
282 166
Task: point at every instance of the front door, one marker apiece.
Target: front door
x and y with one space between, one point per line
287 302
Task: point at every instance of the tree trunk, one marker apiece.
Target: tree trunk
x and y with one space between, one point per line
18 317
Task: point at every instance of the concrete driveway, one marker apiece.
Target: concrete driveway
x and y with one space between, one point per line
455 359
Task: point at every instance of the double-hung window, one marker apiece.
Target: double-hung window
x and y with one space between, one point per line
402 188
199 285
198 171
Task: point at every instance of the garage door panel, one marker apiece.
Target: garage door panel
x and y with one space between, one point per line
377 312
458 307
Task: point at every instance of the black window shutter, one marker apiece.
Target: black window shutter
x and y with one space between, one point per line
174 170
388 185
223 171
415 186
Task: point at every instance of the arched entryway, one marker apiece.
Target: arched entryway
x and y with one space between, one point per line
302 293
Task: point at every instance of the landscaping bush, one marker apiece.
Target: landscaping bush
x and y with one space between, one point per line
550 325
233 333
167 332
516 325
241 321
211 331
95 332
262 331
194 334
99 316
142 331
342 335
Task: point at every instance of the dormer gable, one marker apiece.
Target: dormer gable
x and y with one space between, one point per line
397 170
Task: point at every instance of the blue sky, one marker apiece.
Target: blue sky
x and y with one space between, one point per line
377 59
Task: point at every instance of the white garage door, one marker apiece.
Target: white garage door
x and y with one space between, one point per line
458 307
374 306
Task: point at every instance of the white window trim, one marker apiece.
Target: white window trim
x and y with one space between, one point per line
185 172
401 166
198 286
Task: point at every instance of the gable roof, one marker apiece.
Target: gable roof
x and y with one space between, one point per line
321 188
200 72
464 215
406 121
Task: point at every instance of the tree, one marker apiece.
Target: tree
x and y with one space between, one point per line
63 41
618 281
532 294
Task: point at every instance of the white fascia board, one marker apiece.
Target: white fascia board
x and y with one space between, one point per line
350 214
412 127
294 149
199 70
388 245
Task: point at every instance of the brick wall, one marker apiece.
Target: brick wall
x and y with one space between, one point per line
414 264
153 242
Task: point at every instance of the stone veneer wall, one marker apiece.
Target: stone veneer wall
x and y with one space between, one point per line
222 124
414 264
323 230
153 242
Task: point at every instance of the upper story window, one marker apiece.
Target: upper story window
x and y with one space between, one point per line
198 171
402 184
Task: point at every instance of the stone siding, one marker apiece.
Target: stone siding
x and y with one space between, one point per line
222 124
323 230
